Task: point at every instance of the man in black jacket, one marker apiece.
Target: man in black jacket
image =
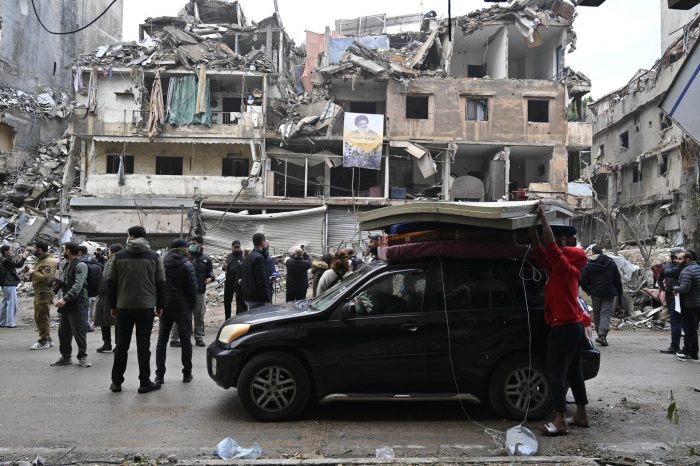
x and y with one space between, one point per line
232 267
668 278
204 271
255 280
180 299
689 290
600 278
297 276
10 280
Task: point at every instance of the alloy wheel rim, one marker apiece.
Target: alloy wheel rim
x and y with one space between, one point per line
273 389
526 384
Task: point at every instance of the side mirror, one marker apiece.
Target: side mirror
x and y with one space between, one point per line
348 309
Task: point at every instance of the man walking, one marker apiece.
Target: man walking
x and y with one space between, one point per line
205 275
135 286
10 280
689 290
297 276
232 267
668 278
600 278
43 275
255 281
180 299
70 307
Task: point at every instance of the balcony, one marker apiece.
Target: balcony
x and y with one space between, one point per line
237 125
579 136
187 186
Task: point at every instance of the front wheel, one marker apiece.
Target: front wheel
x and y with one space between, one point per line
274 387
518 389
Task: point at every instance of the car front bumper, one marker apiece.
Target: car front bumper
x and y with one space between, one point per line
223 364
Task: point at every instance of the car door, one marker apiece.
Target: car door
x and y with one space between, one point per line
471 324
380 347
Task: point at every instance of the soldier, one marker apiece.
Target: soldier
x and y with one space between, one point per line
43 275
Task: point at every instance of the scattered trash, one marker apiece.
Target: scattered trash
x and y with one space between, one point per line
385 453
521 441
228 449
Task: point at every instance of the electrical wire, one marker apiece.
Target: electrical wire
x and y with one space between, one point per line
36 13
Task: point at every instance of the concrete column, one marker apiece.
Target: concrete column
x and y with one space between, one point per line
558 169
446 169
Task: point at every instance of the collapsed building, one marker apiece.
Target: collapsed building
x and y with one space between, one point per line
215 124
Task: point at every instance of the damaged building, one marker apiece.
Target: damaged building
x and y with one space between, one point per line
644 169
218 124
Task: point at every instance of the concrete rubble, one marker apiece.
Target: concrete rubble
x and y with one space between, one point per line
47 102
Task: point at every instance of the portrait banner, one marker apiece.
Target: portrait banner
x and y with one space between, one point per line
363 134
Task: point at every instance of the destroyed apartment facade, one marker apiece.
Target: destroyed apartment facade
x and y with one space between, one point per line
210 115
644 169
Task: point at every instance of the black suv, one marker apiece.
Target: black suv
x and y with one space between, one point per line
429 329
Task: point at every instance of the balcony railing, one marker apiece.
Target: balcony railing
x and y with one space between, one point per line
140 117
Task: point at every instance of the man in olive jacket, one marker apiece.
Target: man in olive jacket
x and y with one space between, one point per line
43 275
136 285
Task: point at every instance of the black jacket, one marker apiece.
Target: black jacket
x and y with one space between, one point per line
601 278
668 277
255 282
297 275
8 269
203 269
233 269
689 286
180 284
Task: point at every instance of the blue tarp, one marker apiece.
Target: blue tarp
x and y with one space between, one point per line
184 100
340 44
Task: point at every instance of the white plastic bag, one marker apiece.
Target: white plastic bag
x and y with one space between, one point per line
521 441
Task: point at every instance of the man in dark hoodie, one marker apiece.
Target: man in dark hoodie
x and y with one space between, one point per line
205 275
297 276
136 290
10 280
689 290
180 299
255 281
668 278
600 278
232 267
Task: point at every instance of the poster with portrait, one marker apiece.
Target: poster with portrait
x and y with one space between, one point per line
363 134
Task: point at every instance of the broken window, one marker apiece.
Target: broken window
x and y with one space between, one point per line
574 166
168 165
601 151
624 140
636 174
560 61
417 107
363 107
476 71
665 121
234 166
477 109
541 170
663 166
538 111
357 182
113 164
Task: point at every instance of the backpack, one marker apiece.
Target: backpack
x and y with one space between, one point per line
94 279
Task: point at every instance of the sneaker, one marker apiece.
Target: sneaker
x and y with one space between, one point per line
668 350
105 348
686 357
149 387
62 362
200 343
50 343
84 362
187 378
39 345
681 353
602 341
159 380
175 343
116 388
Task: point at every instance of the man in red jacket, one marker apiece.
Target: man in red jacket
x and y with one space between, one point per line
563 316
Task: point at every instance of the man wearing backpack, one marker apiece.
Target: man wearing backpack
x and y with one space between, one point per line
94 284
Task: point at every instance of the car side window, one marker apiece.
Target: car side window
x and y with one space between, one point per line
472 288
395 293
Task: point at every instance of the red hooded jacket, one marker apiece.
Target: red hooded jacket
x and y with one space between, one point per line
563 265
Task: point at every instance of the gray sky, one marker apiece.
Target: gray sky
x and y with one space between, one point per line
614 40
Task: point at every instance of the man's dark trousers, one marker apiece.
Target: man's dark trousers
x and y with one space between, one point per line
690 328
71 326
229 291
127 319
676 322
184 327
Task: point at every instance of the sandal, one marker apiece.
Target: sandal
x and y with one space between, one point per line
573 422
550 430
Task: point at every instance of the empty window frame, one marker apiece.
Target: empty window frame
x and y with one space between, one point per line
663 165
538 110
234 166
168 165
665 121
601 151
113 164
636 174
624 140
477 109
476 71
417 107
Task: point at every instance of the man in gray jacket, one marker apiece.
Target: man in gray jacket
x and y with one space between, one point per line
689 290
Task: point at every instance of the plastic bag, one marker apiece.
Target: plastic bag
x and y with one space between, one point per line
385 453
521 441
228 449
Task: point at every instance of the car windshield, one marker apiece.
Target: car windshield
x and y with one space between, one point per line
324 301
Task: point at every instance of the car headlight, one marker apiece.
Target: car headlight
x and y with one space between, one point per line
233 331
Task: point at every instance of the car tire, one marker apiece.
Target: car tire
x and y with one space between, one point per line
273 387
509 386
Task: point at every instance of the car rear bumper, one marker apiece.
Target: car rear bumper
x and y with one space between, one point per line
223 364
590 360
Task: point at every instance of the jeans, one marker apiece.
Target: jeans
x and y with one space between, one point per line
602 312
200 308
675 319
689 317
71 326
127 319
564 364
8 308
42 306
254 304
184 326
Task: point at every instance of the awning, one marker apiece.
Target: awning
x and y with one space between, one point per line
170 140
144 203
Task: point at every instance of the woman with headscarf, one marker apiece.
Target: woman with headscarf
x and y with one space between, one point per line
340 267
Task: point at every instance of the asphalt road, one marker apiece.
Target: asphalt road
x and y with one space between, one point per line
50 410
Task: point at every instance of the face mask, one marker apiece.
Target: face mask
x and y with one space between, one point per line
193 248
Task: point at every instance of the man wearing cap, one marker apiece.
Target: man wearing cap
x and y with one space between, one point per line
600 278
232 267
668 278
180 299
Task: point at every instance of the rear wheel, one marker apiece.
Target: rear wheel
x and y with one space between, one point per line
274 387
518 389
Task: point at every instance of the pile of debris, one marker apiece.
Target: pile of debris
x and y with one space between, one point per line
49 102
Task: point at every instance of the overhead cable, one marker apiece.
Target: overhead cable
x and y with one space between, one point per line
77 30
